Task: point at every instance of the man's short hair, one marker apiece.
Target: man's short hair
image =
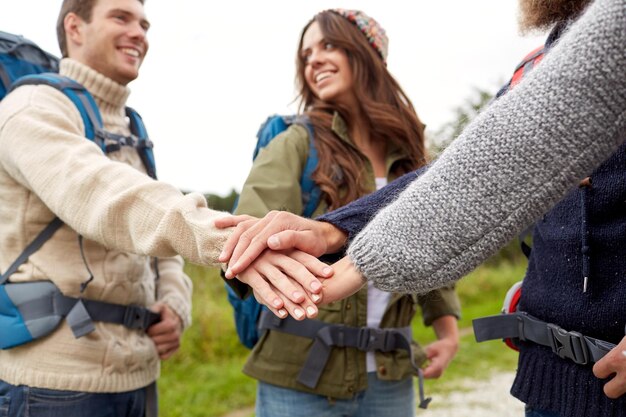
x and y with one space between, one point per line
83 9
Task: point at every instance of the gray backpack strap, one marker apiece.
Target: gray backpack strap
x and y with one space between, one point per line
328 335
41 238
42 305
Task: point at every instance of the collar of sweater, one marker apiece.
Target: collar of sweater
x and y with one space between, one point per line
109 95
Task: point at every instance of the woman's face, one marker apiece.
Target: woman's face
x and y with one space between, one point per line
327 71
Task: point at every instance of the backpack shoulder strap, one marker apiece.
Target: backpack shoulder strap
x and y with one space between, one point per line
144 144
92 119
275 124
39 240
523 68
268 130
527 64
78 94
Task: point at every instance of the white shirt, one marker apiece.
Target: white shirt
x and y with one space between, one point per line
377 302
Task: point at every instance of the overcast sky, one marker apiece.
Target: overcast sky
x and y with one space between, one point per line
216 70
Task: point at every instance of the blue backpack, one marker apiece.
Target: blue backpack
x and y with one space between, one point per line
31 310
248 311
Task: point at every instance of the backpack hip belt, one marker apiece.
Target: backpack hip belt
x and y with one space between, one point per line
329 335
520 325
31 310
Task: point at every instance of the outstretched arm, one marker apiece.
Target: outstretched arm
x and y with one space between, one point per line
509 166
282 230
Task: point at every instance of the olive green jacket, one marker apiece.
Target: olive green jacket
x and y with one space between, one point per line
274 184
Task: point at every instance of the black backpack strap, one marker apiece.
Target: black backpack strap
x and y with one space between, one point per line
41 238
566 344
130 316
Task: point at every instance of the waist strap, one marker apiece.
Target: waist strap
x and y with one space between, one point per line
567 344
329 335
81 313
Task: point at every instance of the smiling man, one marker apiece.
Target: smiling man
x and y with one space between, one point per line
96 222
50 169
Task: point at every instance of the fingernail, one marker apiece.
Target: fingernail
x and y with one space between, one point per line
282 313
298 313
315 298
228 273
297 295
273 241
221 257
327 270
316 285
276 303
311 311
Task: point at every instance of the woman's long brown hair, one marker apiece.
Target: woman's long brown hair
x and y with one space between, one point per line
387 111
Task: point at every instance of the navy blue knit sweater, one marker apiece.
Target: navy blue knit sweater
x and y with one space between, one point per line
584 235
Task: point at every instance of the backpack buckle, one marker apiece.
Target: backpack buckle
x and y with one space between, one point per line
136 317
568 345
371 339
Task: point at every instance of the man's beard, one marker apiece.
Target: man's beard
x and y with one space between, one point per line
543 14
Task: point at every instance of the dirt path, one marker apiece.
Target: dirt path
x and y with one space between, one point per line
244 412
490 398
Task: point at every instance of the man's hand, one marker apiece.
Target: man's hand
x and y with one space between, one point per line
285 281
166 333
614 363
278 230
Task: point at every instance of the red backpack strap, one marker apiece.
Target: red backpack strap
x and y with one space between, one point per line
527 64
522 69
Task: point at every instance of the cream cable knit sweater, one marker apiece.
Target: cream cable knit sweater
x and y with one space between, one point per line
47 167
521 156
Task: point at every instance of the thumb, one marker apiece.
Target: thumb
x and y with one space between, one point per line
303 240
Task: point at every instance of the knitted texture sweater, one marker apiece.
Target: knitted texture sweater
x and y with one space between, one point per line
48 168
514 162
575 280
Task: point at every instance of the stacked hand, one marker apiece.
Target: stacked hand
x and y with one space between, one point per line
277 257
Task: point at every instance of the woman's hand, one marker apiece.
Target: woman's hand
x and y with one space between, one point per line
441 352
346 281
286 282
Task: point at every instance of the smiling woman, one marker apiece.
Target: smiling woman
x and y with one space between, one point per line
364 131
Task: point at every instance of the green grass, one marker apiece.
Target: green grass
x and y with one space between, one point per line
204 378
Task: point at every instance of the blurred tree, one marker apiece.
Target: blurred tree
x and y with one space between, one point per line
463 114
226 203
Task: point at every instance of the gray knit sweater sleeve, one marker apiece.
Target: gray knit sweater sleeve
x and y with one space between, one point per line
514 162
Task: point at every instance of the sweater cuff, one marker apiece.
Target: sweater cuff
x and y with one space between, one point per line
353 217
180 307
367 259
